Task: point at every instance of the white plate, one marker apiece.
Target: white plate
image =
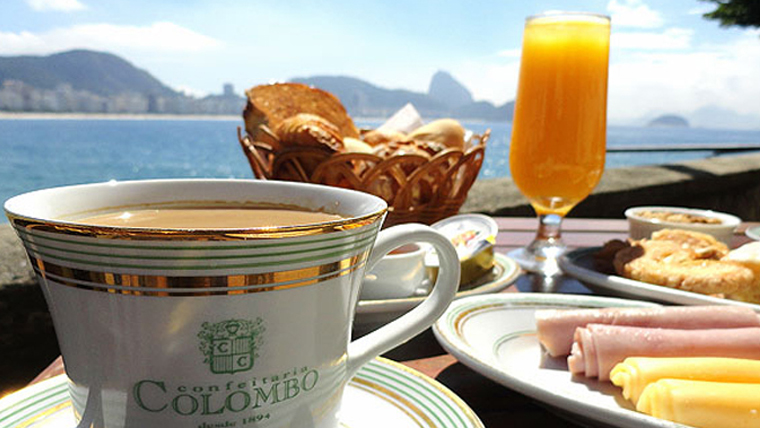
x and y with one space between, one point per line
495 335
504 273
383 394
580 264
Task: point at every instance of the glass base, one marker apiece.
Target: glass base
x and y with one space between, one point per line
539 257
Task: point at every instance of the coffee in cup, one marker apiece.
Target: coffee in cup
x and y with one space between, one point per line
209 217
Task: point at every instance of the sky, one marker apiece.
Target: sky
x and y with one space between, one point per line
665 58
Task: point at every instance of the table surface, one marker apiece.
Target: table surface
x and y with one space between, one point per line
495 404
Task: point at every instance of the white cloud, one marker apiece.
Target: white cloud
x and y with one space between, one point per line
661 73
633 13
59 5
510 53
157 37
20 43
722 76
702 9
189 91
672 38
494 82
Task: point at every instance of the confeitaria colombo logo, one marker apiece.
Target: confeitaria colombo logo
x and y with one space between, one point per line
230 346
227 347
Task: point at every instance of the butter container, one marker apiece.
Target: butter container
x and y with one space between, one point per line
473 236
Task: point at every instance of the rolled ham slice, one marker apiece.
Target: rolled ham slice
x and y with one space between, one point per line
556 327
598 347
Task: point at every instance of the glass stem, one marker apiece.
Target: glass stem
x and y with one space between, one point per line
549 228
548 242
540 256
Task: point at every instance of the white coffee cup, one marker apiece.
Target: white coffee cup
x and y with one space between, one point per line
169 328
401 273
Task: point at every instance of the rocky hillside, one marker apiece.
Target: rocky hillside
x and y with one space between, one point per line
445 98
99 73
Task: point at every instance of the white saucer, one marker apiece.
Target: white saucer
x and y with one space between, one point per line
383 394
504 273
753 232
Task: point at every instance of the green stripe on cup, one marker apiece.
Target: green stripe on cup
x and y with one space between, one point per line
231 245
362 245
33 246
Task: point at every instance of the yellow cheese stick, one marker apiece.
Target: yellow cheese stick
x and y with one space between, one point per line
703 404
635 373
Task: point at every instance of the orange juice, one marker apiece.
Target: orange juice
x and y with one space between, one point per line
560 122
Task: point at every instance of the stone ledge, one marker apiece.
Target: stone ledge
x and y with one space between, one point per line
729 183
27 340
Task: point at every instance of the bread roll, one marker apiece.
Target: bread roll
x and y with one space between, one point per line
445 131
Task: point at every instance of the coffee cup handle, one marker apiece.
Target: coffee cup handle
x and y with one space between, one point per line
421 317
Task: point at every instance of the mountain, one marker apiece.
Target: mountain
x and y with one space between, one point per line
447 90
716 117
98 82
669 121
95 72
363 99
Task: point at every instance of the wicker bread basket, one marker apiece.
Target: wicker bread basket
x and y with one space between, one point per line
417 188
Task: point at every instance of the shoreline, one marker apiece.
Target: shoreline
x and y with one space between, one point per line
9 115
6 115
115 116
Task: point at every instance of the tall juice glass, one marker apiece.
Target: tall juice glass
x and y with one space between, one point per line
559 128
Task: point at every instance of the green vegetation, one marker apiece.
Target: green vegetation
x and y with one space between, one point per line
741 13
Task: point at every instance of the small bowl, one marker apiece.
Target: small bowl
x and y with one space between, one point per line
640 227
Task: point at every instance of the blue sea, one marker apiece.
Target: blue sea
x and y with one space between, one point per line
39 153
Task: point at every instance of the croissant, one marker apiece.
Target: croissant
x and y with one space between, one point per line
309 130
